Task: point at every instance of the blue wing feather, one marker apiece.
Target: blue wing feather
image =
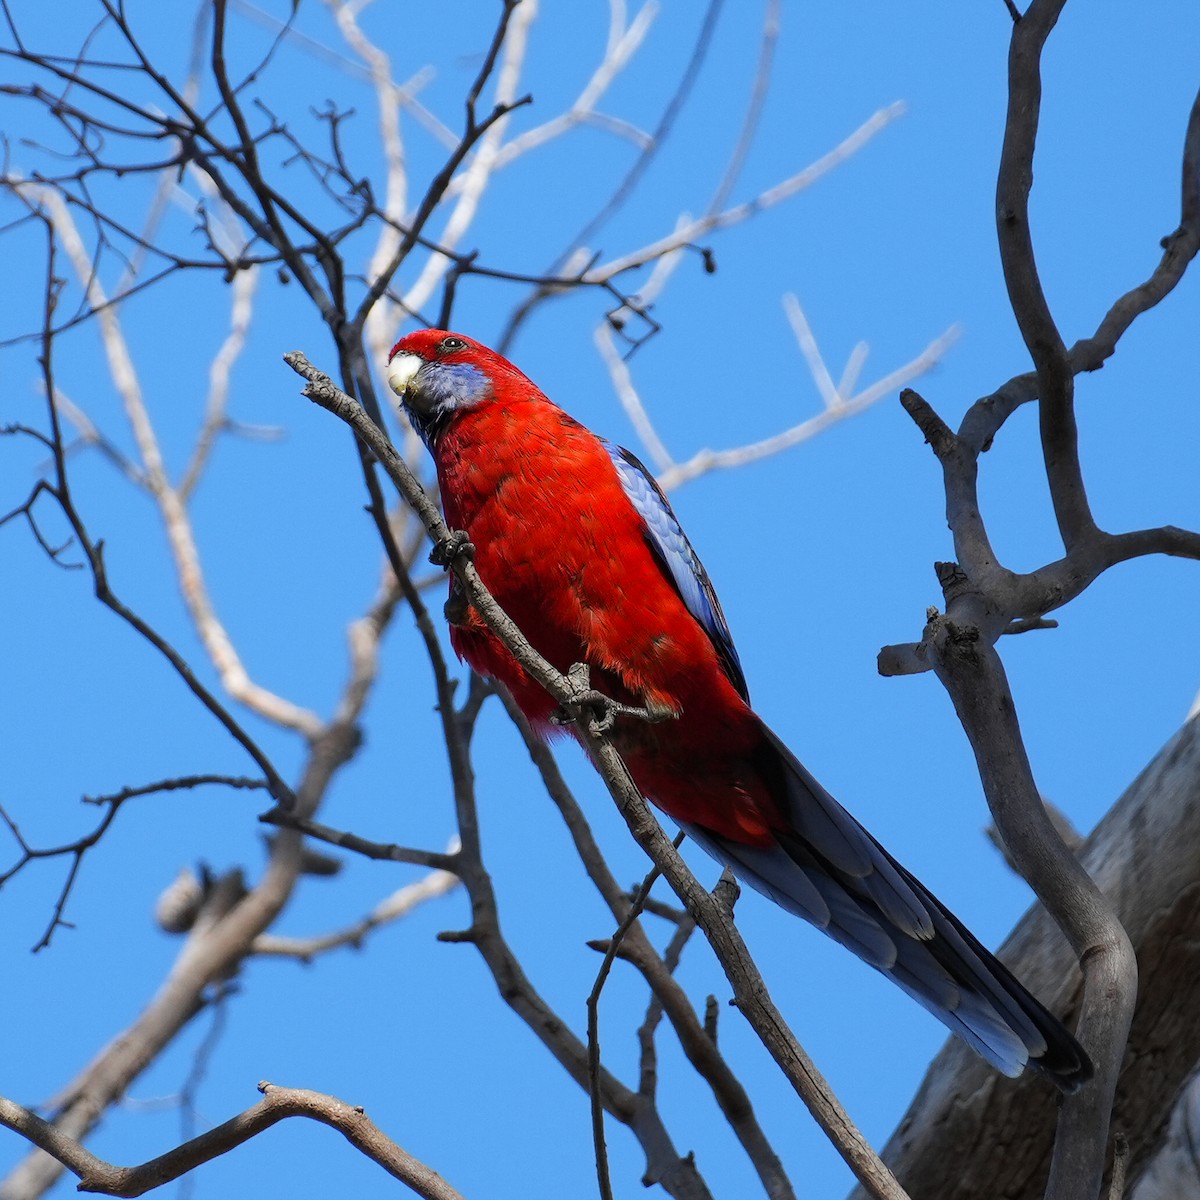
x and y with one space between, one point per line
671 547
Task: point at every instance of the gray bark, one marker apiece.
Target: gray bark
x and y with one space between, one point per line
970 1132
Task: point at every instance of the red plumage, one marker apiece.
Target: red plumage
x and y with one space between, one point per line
589 590
582 551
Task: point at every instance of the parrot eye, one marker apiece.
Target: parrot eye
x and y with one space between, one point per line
450 344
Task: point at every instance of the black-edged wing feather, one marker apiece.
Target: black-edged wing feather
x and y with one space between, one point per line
680 562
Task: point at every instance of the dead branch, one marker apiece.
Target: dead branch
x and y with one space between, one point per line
399 904
693 231
1060 437
277 1104
76 849
215 160
971 672
750 992
985 600
677 1173
219 938
1142 856
657 970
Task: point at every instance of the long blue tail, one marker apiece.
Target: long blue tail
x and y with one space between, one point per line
826 868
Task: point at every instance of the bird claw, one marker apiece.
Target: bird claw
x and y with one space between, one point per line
601 711
456 544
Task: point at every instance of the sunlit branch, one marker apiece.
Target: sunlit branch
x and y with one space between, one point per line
702 226
241 310
234 676
622 46
839 406
658 136
392 908
278 1103
754 109
482 164
381 321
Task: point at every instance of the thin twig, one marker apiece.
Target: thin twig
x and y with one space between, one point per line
593 1028
840 409
727 1090
399 904
380 851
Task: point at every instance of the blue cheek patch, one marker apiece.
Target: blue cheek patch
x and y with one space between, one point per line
455 385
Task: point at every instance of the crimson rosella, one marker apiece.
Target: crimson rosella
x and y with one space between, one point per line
578 544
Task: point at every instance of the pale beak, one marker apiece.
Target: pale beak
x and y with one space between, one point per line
402 370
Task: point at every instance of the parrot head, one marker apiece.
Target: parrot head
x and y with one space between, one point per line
438 375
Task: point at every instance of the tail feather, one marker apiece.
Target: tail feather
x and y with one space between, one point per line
826 868
975 1022
801 796
803 893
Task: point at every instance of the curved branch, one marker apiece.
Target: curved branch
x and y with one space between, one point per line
658 136
399 904
972 673
567 690
277 1104
677 1173
1060 437
749 990
980 570
1007 1125
475 130
805 178
169 499
984 419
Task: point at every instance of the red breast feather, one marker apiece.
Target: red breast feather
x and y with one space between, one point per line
584 587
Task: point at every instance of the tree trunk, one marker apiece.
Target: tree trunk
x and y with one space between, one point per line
970 1132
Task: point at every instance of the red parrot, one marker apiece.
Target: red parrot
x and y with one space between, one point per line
579 546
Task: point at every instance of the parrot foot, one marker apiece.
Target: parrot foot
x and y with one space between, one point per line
456 545
602 711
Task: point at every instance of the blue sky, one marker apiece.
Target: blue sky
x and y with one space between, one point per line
820 555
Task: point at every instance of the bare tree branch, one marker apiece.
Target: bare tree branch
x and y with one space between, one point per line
246 216
838 407
277 1104
750 992
985 600
635 948
971 672
987 415
1008 1125
659 134
399 904
81 845
170 499
1060 437
695 230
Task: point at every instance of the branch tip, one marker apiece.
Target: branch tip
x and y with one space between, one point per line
938 435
